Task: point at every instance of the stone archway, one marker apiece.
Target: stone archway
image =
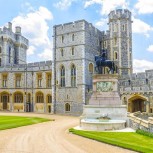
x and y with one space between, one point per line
137 103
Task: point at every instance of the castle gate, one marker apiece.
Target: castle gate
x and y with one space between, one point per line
137 103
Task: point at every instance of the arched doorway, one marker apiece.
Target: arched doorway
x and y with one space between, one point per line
137 103
5 100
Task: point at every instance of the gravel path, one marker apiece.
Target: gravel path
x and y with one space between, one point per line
50 137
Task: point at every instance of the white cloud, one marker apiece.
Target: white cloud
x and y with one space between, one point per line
31 50
144 6
102 22
150 48
46 54
35 27
107 5
141 65
64 4
139 26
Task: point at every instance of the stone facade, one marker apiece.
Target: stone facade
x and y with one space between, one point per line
64 85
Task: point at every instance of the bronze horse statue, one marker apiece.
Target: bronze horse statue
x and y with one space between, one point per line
101 61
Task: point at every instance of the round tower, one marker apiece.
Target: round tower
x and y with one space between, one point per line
120 27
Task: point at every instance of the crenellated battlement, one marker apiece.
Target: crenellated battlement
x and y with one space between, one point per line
75 26
36 66
120 13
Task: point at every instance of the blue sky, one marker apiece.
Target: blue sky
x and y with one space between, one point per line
37 17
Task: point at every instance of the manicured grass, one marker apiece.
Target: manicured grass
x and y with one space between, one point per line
129 140
8 122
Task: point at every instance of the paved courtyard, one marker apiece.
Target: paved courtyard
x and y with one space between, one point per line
50 137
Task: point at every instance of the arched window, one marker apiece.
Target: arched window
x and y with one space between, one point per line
18 98
62 52
115 41
91 68
62 38
106 70
72 37
115 54
62 76
67 107
4 97
39 97
123 27
73 76
49 99
72 50
29 97
124 100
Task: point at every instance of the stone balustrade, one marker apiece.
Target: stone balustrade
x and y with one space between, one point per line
137 123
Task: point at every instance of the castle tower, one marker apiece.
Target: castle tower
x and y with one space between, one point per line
75 46
13 46
120 28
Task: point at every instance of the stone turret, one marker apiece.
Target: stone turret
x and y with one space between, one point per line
120 27
13 46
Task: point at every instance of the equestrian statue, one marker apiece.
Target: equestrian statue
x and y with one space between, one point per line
101 61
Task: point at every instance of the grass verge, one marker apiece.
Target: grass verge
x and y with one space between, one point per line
128 140
8 122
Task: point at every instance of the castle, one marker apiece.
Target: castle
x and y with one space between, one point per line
64 84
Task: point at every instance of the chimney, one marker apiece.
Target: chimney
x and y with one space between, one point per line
10 26
18 30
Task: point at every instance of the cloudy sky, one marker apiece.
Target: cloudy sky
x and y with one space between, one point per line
37 17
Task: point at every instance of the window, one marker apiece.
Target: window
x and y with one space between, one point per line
62 39
18 98
115 55
62 76
49 99
9 54
29 97
4 80
124 100
116 69
123 27
4 97
115 28
62 52
105 44
18 80
0 62
130 56
73 76
39 97
115 41
67 107
0 49
39 76
72 50
91 68
129 81
72 37
49 80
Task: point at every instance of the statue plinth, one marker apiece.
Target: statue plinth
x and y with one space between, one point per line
105 90
105 99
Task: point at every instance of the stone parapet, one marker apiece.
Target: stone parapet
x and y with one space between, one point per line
138 123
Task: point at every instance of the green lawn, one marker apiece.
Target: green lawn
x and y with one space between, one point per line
129 140
8 122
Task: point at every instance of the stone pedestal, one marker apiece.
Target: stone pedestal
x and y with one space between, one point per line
104 103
